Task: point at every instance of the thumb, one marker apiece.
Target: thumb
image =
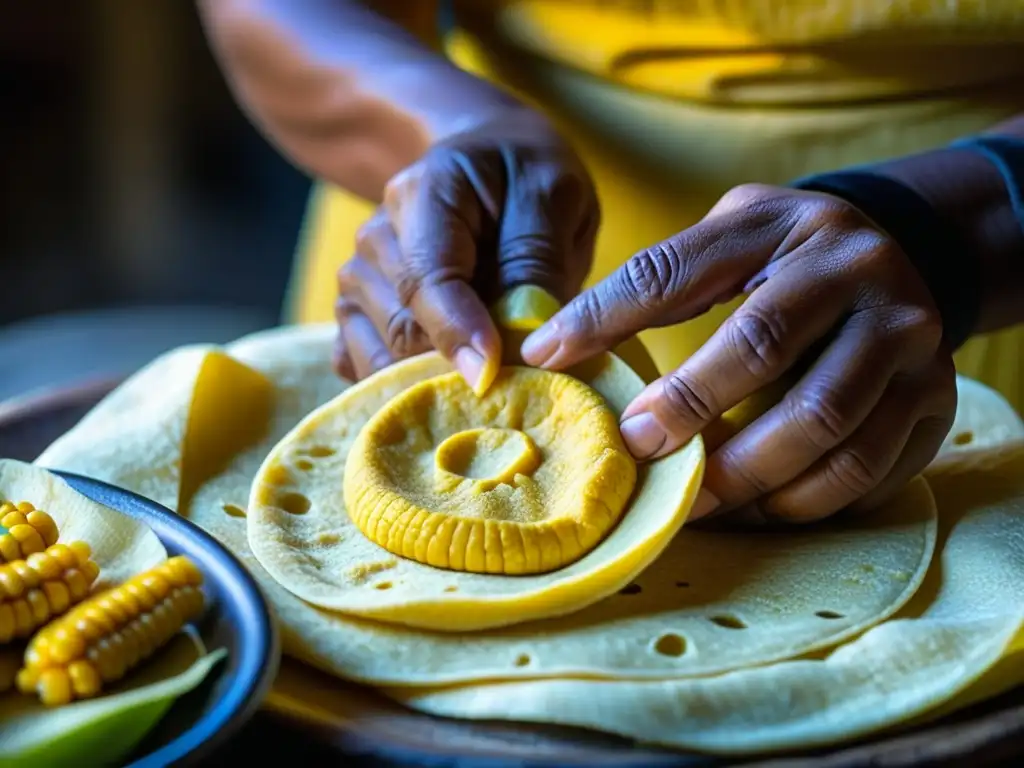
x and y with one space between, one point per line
673 281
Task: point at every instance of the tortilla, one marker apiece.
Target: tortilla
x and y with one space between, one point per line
966 615
985 422
348 573
699 589
203 405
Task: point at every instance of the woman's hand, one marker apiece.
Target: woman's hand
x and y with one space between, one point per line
502 204
869 413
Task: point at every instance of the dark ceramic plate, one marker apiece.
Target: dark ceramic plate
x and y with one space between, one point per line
237 619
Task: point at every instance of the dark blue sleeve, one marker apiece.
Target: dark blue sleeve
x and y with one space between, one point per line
1006 154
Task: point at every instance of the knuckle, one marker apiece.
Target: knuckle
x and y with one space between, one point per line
345 308
756 206
415 273
533 255
924 326
438 164
585 317
746 195
407 284
872 250
847 217
816 411
348 278
852 470
756 338
404 334
653 275
402 184
912 335
379 359
742 483
368 235
686 401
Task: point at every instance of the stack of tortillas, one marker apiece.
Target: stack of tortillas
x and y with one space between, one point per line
729 642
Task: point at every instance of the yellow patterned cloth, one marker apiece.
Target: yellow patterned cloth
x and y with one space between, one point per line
672 102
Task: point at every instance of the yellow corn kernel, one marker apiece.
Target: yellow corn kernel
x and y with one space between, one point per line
35 590
100 640
27 530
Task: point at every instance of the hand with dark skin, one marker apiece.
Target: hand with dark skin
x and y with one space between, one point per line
873 407
504 204
478 194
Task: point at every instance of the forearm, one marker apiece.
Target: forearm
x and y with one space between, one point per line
344 92
969 190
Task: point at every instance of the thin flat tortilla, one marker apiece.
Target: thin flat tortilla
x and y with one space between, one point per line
371 652
957 627
346 574
985 421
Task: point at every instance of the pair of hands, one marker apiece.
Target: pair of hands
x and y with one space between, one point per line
509 203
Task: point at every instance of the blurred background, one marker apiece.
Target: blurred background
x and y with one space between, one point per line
140 209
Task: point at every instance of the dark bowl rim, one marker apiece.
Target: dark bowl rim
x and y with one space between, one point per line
260 654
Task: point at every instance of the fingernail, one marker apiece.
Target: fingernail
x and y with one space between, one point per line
705 504
539 346
643 434
470 364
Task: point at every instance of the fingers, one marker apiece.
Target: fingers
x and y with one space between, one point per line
892 445
340 361
759 342
363 347
438 220
920 449
668 283
823 409
361 280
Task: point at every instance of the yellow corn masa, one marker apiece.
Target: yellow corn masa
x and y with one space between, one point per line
44 585
526 479
26 530
774 584
104 637
298 495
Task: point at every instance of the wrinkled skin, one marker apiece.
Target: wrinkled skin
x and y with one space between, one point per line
871 410
509 203
504 204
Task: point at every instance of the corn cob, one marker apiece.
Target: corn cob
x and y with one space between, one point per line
43 585
109 634
10 663
27 530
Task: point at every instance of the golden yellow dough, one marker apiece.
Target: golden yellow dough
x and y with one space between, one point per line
301 532
526 479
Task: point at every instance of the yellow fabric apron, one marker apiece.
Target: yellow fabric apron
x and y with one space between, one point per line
660 162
